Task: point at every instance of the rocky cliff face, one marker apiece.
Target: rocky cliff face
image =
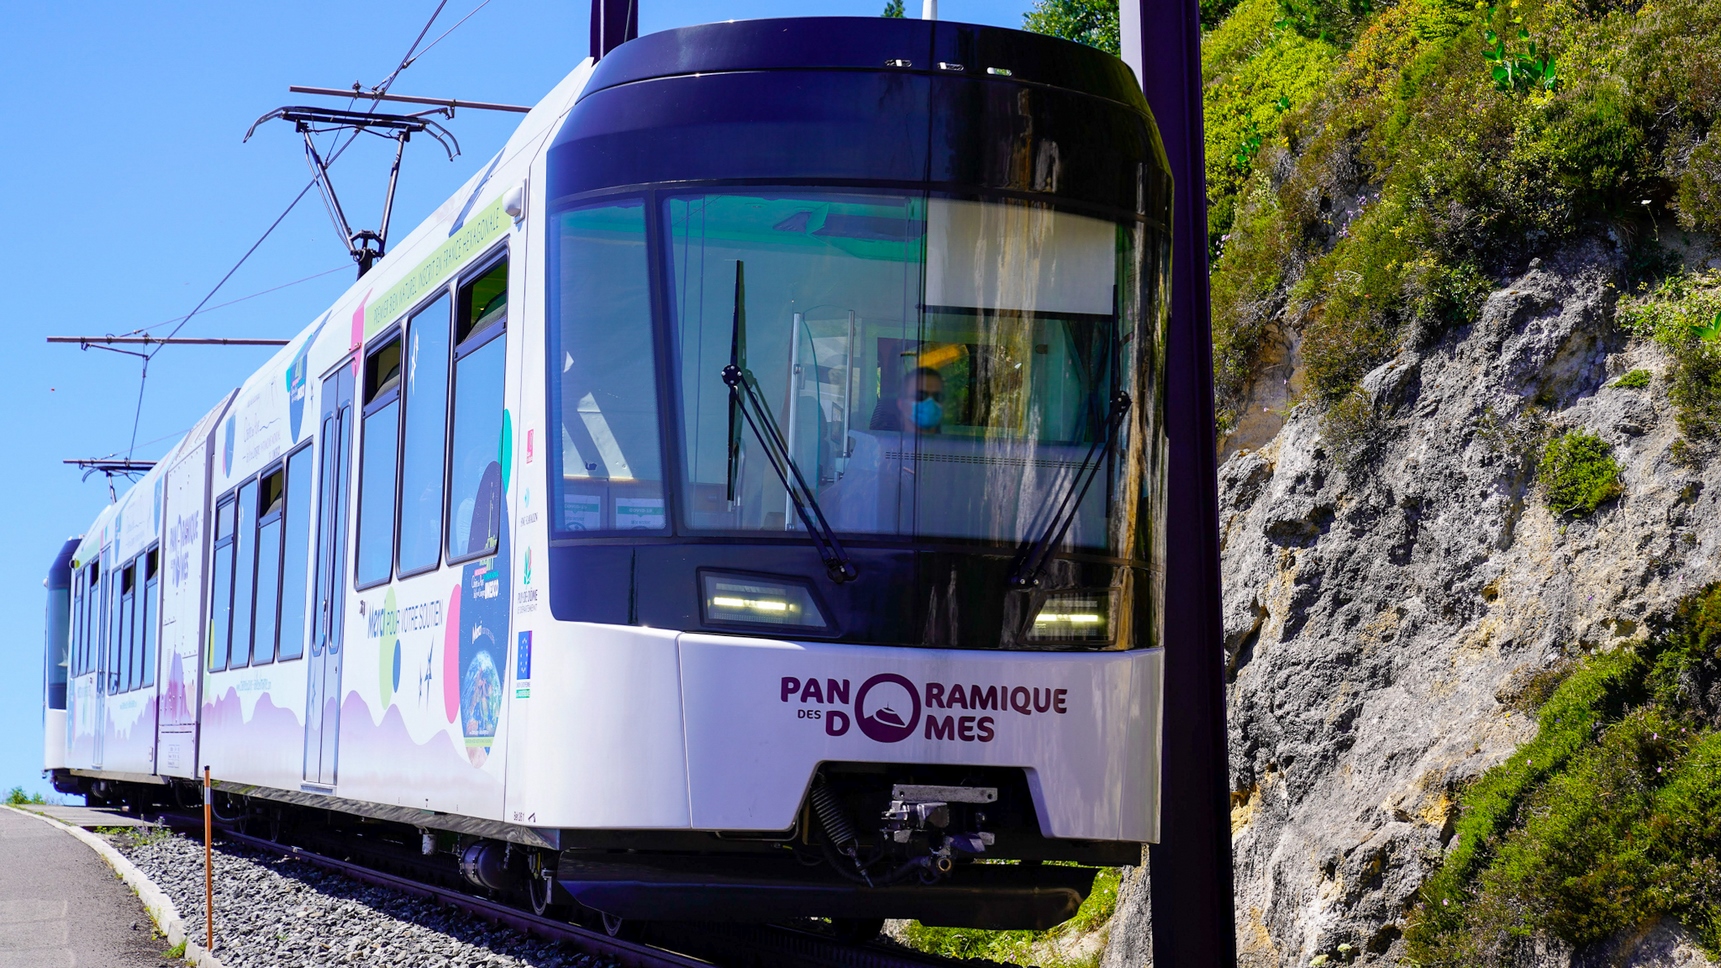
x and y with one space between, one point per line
1392 591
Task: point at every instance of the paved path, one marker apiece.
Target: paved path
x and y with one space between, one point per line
61 906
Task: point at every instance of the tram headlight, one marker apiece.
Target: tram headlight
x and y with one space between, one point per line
752 600
1075 616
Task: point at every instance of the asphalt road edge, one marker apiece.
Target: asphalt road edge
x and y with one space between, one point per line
158 904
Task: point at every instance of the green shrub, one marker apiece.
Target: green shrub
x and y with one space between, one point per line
1091 22
1634 380
1579 473
1683 315
1605 821
16 797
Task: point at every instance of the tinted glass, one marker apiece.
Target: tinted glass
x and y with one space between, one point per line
953 394
123 632
604 389
295 554
422 455
475 494
268 591
59 640
221 590
376 494
150 585
244 574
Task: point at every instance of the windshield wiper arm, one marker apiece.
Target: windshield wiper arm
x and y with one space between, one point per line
747 404
1025 571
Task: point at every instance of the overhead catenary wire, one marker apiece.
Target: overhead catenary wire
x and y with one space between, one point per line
412 53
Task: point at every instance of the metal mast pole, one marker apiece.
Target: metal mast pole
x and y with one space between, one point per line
1194 917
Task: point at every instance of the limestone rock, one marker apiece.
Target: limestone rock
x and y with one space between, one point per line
1381 617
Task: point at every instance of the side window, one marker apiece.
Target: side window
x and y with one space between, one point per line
121 669
131 663
244 575
424 448
77 620
93 636
377 462
603 384
221 587
112 639
271 503
295 554
150 587
475 479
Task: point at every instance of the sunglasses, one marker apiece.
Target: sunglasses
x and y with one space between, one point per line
920 395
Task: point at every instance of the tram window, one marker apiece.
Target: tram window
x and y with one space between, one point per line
151 583
483 302
475 452
244 575
93 634
126 630
77 623
423 449
937 366
111 671
270 505
377 463
59 628
295 554
603 382
221 587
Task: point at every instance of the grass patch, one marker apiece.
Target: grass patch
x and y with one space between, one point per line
175 952
1579 473
1682 314
1606 820
1634 380
1024 947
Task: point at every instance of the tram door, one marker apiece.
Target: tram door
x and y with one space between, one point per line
323 695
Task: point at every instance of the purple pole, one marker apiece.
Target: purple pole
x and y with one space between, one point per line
1189 869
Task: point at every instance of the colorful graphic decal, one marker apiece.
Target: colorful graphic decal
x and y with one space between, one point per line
297 381
227 431
483 621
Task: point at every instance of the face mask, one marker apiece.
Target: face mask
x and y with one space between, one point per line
928 414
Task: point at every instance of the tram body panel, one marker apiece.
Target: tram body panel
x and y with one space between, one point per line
763 714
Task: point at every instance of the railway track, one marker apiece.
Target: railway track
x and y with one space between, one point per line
672 944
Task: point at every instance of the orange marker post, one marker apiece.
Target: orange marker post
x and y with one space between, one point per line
208 864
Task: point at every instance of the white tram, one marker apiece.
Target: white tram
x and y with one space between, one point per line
743 497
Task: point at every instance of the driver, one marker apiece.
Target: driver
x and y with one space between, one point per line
919 405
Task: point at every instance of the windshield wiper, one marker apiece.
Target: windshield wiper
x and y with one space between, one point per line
1025 570
746 403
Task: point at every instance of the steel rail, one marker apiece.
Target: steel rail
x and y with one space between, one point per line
706 944
625 953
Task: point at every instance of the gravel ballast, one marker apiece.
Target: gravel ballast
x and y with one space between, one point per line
279 912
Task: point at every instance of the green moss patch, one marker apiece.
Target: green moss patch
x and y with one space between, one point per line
1579 473
1036 948
1608 819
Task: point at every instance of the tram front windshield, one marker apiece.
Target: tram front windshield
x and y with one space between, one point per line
939 368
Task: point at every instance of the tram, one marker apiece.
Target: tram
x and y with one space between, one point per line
743 499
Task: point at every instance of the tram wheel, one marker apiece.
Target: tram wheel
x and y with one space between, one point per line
856 930
622 929
540 890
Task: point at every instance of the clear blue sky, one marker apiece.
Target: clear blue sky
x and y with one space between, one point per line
127 194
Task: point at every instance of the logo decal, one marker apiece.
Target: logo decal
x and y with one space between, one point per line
887 708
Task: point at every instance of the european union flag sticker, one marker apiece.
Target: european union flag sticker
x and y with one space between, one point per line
523 660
